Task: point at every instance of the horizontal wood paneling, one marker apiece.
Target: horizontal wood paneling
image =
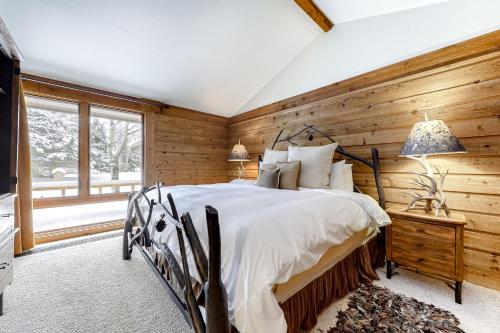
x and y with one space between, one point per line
475 47
187 147
459 84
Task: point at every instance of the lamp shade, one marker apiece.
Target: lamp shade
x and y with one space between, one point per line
430 137
239 153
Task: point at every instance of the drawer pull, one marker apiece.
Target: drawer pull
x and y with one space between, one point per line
4 265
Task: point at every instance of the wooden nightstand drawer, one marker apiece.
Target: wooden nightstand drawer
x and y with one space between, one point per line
437 232
428 247
425 263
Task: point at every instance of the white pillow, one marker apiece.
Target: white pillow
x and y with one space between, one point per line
274 156
337 175
315 164
341 177
348 182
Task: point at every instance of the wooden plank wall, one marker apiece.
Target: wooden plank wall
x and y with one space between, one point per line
459 84
185 147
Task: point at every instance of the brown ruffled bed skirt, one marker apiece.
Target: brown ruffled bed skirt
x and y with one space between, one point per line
302 309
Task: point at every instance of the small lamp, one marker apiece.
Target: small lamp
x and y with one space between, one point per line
430 137
239 154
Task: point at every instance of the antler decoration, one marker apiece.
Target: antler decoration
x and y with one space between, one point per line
433 188
241 170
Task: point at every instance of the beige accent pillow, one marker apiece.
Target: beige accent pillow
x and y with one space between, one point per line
315 166
269 178
266 166
289 175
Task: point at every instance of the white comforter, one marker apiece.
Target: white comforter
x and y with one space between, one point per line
267 237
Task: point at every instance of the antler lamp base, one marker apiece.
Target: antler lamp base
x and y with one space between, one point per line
434 196
241 170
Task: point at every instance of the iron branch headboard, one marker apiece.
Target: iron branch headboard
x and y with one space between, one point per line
374 164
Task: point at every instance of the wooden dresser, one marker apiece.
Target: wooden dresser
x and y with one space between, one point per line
7 233
429 244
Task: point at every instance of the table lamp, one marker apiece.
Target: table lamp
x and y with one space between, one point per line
430 137
239 154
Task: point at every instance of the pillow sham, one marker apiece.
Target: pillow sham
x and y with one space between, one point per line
289 175
269 178
348 182
337 175
315 164
274 156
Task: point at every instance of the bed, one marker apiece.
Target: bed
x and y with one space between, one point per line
281 255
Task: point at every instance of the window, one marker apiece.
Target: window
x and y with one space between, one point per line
86 155
81 153
115 151
54 136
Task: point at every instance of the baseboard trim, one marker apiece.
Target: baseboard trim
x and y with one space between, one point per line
69 243
72 232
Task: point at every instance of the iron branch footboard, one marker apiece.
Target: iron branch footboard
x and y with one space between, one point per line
213 296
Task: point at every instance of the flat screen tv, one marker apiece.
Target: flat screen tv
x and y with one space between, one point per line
9 110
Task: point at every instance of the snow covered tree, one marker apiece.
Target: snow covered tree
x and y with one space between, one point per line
53 141
99 159
116 146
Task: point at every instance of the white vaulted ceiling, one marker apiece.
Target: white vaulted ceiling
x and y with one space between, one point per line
207 55
228 56
341 11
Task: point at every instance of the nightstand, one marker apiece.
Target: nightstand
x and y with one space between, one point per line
428 244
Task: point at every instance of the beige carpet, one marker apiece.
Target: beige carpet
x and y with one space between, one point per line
88 288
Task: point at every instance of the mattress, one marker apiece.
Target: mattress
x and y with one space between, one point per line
336 253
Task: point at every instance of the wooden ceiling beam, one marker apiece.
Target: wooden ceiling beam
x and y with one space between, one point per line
315 13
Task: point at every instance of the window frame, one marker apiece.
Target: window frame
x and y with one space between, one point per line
85 100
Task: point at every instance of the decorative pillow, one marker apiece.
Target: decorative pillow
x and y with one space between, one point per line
289 175
315 166
348 182
274 156
266 166
337 175
269 178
